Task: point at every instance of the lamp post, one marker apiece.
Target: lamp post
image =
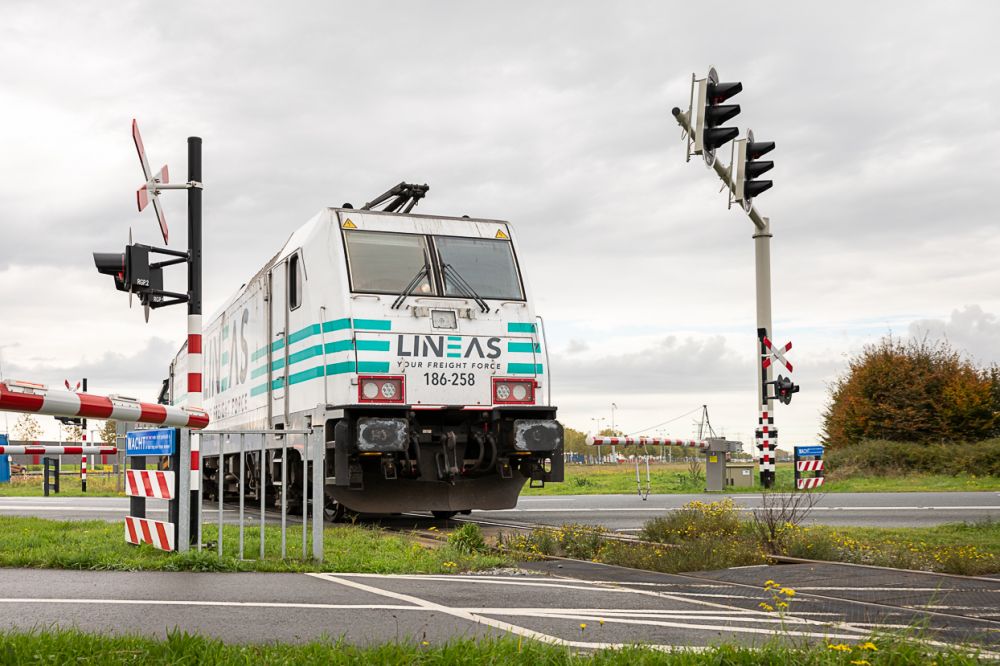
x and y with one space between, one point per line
613 431
598 432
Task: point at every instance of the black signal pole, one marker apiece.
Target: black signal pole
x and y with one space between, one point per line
194 318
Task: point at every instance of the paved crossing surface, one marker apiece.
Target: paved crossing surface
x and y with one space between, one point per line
548 602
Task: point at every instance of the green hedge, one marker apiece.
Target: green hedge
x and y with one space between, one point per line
885 457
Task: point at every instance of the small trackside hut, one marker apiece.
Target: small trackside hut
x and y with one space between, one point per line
410 340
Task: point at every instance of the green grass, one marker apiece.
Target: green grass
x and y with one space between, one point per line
69 486
673 478
94 544
71 646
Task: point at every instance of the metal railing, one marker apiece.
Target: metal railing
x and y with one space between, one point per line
220 443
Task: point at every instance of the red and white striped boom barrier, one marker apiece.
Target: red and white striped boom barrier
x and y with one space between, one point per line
17 396
58 450
645 441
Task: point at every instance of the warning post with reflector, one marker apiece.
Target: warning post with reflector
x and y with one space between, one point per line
142 484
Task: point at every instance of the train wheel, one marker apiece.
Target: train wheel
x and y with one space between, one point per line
334 511
444 515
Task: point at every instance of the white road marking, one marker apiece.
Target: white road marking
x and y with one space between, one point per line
479 619
195 602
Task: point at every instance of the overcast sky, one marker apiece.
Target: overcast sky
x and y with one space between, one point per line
555 116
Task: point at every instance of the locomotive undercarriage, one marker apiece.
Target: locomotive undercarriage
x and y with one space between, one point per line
391 460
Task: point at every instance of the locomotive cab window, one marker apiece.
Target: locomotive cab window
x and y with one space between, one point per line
389 263
294 283
484 264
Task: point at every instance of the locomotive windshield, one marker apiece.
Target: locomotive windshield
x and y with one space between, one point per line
383 262
486 264
387 262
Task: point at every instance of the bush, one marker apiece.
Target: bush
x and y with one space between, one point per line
882 457
912 391
695 520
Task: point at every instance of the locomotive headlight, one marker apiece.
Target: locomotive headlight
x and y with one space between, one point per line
370 390
503 391
520 392
389 390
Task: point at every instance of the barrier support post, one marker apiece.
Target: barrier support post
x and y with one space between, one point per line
317 441
182 503
137 505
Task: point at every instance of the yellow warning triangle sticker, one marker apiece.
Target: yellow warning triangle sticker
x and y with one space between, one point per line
349 225
501 234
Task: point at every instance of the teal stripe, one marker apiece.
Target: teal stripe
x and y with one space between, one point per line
304 333
327 327
225 385
450 355
524 368
373 324
341 368
336 325
455 337
524 347
520 327
225 358
373 345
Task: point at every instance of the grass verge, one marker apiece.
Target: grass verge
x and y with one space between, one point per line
69 486
701 537
98 545
77 647
673 478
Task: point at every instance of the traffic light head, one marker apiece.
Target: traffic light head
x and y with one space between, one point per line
749 167
113 264
709 134
784 388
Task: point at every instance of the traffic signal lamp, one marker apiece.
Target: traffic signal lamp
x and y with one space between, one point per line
784 388
710 134
749 167
113 264
130 269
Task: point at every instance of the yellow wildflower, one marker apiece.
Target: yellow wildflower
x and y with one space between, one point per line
766 606
869 646
583 625
840 647
860 662
788 592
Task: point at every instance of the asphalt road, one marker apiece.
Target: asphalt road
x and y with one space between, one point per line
618 606
624 513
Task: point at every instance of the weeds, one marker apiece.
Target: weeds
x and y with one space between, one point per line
468 539
73 646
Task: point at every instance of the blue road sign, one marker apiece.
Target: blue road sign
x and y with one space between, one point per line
161 442
808 451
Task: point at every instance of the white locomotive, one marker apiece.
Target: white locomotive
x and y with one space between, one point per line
411 340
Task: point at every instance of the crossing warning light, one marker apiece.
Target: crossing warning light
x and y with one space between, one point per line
784 388
113 264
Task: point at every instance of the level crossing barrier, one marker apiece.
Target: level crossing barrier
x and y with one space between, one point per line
311 447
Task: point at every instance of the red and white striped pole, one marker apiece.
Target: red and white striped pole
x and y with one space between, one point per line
83 460
194 322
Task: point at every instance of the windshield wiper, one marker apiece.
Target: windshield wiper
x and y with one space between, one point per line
421 274
464 285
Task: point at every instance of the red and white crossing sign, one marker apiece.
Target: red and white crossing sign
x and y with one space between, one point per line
149 484
776 353
156 533
151 190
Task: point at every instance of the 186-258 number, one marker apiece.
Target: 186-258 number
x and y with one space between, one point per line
449 379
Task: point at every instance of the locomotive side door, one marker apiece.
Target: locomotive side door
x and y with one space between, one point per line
278 350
